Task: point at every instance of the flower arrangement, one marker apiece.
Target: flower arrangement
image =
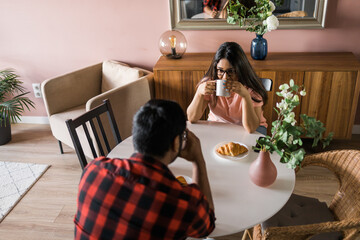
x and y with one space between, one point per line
285 134
255 15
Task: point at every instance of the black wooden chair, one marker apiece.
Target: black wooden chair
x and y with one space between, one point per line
97 127
267 82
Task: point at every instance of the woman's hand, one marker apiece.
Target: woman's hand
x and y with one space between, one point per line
206 88
199 103
237 87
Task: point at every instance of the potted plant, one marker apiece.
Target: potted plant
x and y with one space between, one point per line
256 16
12 102
286 135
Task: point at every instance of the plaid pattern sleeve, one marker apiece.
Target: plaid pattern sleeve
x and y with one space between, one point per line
213 4
138 198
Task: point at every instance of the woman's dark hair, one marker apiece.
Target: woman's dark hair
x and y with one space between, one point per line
243 70
156 125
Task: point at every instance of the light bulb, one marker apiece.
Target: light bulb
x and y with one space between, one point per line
172 39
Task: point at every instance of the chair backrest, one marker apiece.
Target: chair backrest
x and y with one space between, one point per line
267 83
97 127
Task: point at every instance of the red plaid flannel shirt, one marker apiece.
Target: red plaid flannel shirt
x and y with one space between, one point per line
213 4
138 198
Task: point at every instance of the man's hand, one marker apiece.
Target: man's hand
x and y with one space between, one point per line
214 13
192 151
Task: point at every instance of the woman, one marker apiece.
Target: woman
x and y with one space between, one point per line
247 94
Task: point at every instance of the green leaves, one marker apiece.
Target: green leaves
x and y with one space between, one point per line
295 159
315 129
12 96
286 135
249 14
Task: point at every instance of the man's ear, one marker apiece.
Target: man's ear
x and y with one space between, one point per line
176 144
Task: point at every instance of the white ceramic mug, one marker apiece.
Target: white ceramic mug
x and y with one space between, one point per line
221 89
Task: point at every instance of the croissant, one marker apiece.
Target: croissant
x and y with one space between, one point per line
182 180
231 149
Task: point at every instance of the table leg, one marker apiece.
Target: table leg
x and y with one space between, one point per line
245 234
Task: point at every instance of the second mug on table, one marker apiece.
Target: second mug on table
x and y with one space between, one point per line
221 89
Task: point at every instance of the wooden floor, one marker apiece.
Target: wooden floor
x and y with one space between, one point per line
47 210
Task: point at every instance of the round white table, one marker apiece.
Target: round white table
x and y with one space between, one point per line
201 15
239 203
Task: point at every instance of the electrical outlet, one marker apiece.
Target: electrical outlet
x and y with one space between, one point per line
37 90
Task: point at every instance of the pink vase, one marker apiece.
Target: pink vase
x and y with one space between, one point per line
263 171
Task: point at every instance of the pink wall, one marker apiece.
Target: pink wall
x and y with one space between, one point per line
44 38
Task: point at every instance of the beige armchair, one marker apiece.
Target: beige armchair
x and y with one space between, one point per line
70 95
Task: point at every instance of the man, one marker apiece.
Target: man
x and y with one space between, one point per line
215 8
139 197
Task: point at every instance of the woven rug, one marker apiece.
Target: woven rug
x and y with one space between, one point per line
15 180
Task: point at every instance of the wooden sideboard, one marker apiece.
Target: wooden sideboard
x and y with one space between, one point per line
331 81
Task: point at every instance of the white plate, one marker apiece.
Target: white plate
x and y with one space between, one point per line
240 156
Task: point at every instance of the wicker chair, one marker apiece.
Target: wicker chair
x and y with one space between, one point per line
345 205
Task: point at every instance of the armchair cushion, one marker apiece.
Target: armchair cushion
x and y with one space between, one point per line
116 74
300 210
59 128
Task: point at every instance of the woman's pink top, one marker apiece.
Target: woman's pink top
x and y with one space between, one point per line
229 109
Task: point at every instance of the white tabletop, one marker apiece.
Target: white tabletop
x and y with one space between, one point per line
239 203
201 15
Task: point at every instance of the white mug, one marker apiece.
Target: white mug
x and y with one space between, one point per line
221 89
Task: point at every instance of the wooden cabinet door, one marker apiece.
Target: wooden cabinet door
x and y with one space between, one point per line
179 86
329 99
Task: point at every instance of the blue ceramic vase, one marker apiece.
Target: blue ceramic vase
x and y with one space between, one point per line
258 48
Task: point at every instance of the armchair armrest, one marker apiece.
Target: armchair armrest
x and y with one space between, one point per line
125 101
150 77
72 89
305 231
